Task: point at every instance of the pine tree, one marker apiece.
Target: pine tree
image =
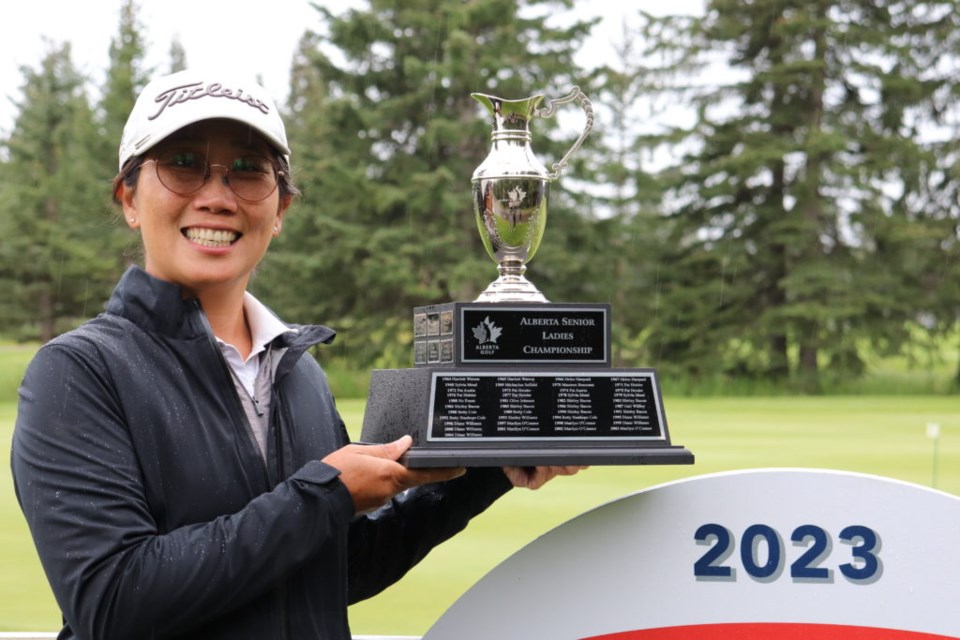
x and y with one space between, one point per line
54 271
126 76
797 249
178 56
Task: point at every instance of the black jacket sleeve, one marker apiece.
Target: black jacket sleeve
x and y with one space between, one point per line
387 543
113 573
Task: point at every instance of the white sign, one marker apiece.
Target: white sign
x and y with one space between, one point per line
780 554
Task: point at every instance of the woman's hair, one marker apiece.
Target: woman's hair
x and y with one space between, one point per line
131 172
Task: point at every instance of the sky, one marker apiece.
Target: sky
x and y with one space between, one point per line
210 31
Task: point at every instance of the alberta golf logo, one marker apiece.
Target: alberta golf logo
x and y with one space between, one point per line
486 334
515 197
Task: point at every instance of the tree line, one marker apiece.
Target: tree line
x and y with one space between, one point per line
770 192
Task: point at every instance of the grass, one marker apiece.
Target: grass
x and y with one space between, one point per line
26 603
882 435
13 361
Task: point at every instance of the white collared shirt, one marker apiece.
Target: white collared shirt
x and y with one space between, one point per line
264 327
253 385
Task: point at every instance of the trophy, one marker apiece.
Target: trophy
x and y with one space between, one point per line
511 378
510 191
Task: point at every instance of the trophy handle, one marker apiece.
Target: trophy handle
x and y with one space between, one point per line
581 99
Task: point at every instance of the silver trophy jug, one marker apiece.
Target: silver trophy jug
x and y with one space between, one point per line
510 191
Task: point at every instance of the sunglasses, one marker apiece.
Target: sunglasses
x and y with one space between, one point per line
251 177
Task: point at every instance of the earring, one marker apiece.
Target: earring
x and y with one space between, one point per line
131 220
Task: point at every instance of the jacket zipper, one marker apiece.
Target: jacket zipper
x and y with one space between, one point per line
239 415
238 411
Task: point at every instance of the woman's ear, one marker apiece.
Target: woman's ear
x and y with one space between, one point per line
127 197
285 202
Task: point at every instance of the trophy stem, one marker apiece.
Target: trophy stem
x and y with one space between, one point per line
511 286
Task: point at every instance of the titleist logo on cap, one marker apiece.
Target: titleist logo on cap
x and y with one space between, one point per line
196 90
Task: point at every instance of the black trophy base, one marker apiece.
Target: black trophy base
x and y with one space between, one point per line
422 458
526 417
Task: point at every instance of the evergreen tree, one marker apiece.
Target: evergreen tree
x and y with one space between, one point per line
126 74
796 197
178 56
126 77
52 265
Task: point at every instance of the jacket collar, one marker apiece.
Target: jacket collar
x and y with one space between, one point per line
158 306
155 305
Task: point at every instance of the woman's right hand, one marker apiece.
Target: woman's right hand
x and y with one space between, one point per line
373 474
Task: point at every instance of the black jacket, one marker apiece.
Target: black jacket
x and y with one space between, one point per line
155 515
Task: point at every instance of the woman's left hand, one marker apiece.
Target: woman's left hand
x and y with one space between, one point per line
536 477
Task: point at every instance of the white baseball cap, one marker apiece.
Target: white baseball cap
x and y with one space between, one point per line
172 102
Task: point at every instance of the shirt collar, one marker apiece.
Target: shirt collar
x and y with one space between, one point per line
264 326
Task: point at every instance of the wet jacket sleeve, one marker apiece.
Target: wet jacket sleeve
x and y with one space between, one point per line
387 543
113 574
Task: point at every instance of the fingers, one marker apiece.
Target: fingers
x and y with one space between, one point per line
413 477
569 470
536 477
427 476
395 450
389 451
374 473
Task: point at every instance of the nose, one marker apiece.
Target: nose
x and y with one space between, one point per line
225 178
221 188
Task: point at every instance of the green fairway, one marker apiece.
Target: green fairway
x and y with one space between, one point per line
26 603
878 435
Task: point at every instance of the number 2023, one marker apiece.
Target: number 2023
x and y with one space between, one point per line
864 543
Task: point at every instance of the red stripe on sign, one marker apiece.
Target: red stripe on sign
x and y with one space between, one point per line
769 631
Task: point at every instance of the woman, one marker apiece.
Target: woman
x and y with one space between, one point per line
179 458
